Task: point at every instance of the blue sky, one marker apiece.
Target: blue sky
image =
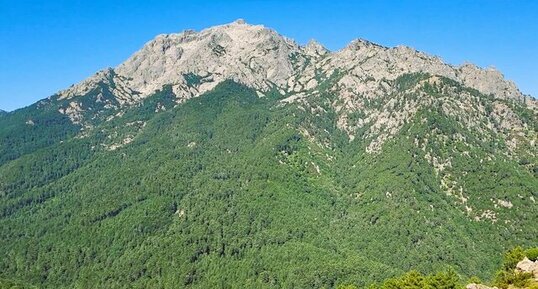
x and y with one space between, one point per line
48 45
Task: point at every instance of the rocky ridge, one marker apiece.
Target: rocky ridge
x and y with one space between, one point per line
261 58
363 72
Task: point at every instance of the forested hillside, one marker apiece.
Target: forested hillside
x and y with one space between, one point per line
233 190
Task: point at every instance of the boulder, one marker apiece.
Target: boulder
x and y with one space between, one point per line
528 266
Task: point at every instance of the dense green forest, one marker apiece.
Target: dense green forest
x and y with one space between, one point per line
226 190
506 277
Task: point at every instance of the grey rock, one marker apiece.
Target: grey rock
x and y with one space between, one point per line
265 60
528 266
261 58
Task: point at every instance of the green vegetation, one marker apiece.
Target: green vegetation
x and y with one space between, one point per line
532 253
448 279
30 129
10 284
228 191
508 276
192 79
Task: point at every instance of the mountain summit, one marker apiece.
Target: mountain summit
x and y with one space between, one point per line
193 63
265 60
234 157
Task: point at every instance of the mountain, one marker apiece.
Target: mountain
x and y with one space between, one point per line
234 157
195 62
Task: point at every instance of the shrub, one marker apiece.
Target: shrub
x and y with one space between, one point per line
512 257
504 279
475 280
507 276
532 253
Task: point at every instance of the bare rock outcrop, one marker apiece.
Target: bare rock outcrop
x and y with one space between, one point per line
249 54
528 266
262 59
358 75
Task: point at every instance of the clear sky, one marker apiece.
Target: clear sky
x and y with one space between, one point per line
46 46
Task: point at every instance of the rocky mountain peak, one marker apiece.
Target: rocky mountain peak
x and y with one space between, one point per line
314 48
106 78
250 54
239 21
261 58
488 81
85 86
361 43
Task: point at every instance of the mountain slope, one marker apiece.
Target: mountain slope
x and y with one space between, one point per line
195 62
355 165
